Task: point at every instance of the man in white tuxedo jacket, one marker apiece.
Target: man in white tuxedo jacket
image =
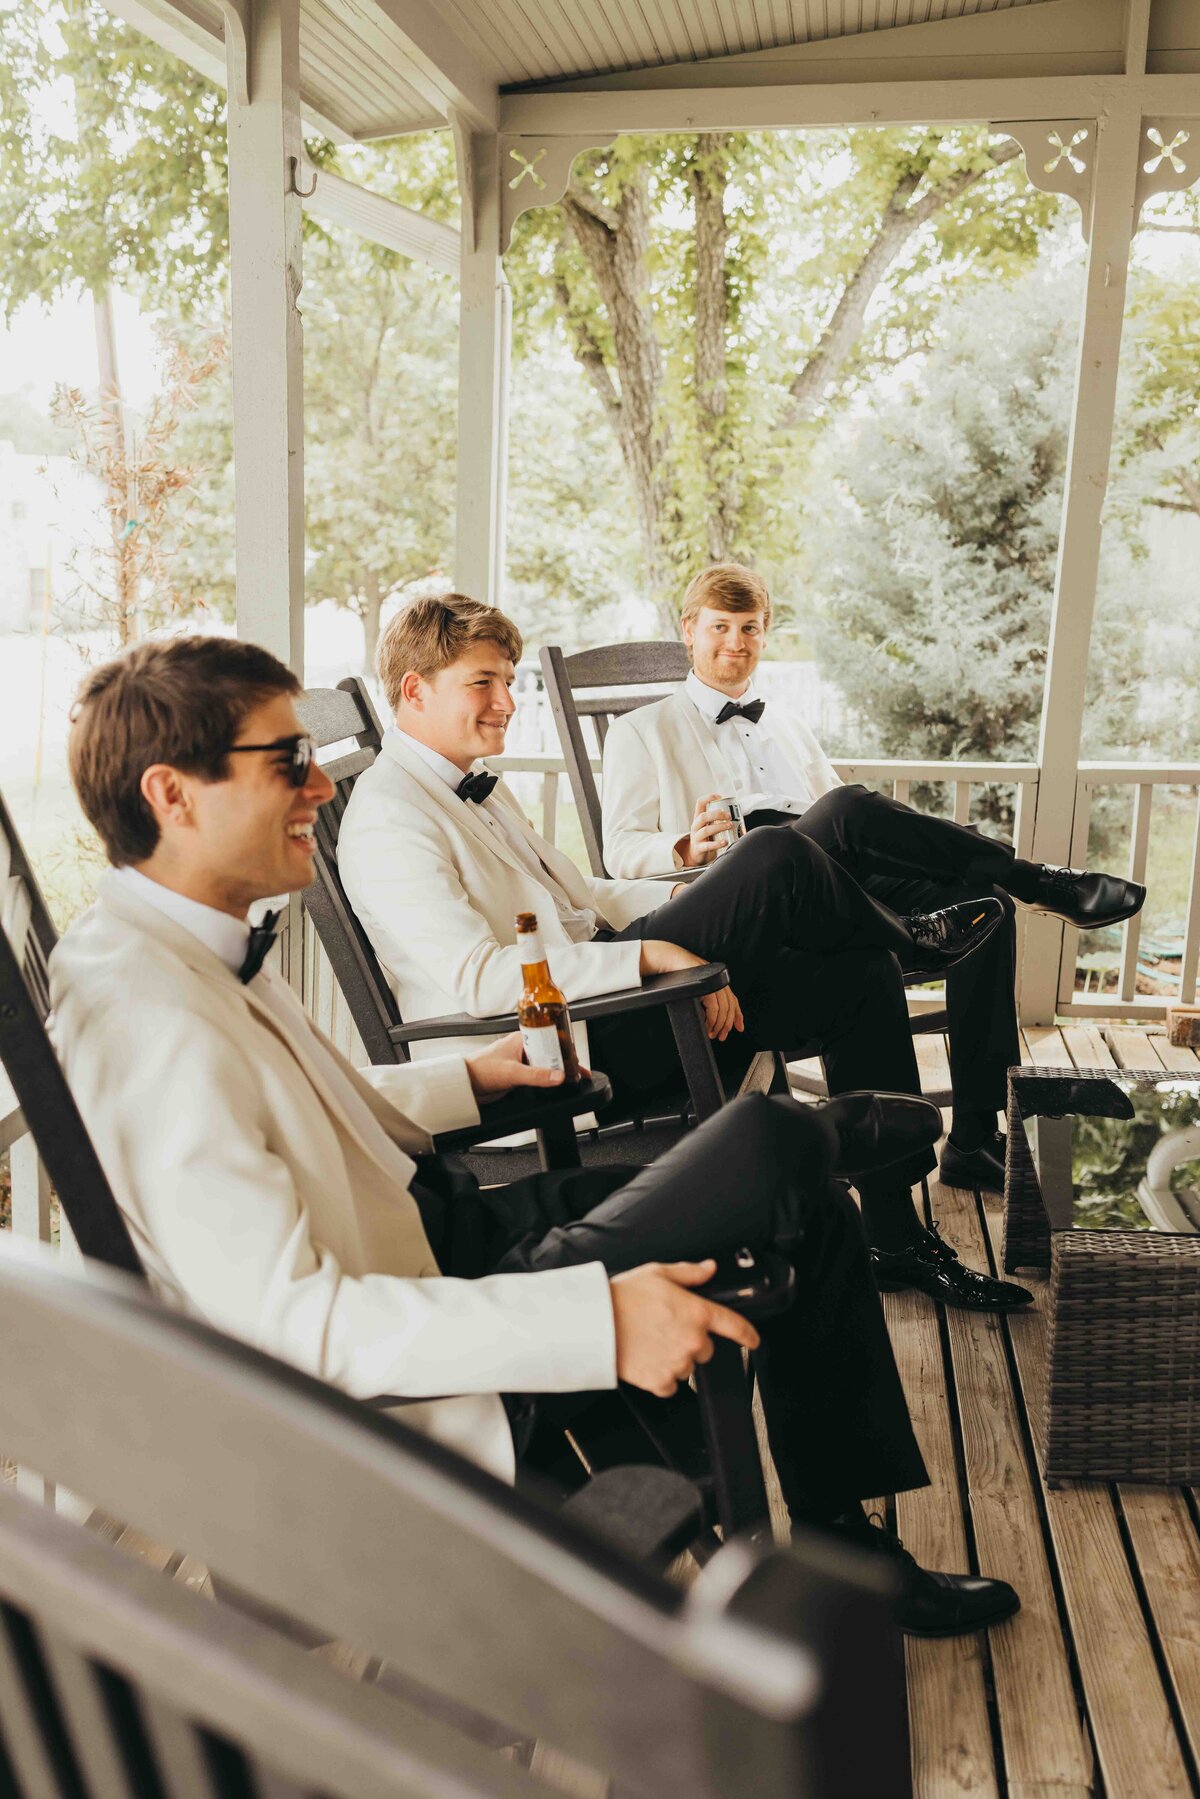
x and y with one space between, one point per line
272 1190
667 765
437 859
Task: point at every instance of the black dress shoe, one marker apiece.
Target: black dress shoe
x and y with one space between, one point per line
981 1167
933 1605
940 939
1086 899
931 1266
876 1129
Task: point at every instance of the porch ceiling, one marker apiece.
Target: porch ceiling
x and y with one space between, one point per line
371 68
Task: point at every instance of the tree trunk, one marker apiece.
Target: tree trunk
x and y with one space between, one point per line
614 243
372 606
117 497
1189 486
709 177
901 218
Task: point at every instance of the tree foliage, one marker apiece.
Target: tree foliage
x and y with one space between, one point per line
933 531
134 584
933 538
112 161
719 330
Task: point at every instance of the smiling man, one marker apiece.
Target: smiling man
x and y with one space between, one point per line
438 859
717 738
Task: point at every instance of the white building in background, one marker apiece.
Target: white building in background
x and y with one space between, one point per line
49 515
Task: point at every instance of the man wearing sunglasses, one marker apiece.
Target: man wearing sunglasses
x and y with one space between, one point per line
274 1191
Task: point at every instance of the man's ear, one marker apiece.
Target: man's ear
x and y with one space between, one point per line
412 690
685 626
164 790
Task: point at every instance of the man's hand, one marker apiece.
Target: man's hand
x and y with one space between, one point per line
499 1069
722 1012
699 846
663 1331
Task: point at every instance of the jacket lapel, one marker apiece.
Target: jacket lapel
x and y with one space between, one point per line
232 993
697 734
462 816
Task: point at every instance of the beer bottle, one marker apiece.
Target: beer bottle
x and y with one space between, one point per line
541 1010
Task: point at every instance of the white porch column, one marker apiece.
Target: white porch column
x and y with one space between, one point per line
1114 183
483 357
268 392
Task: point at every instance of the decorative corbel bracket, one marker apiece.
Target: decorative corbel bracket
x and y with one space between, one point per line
1168 160
1059 158
534 171
236 14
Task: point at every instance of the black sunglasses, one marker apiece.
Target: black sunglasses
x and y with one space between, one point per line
302 750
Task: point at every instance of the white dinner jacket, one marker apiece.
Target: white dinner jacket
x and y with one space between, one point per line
659 759
254 1202
438 891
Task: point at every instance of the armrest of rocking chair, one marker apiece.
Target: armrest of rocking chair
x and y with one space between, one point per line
655 990
527 1109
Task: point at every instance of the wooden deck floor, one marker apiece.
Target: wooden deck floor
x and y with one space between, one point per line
1094 1688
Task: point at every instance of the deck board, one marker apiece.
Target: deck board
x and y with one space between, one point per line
1039 1720
1094 1687
947 1700
1130 1720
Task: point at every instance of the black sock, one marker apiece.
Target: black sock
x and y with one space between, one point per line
970 1129
1021 880
889 1219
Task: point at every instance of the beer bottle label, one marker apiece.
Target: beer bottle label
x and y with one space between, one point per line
541 1046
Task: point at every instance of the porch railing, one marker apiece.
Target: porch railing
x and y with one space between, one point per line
963 783
1178 844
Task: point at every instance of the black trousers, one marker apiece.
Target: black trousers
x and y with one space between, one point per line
915 863
812 959
759 1174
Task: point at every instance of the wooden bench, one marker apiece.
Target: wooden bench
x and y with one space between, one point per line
484 1603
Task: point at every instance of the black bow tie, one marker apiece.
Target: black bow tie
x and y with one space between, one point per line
262 936
731 709
476 787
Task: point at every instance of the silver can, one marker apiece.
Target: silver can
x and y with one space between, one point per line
734 810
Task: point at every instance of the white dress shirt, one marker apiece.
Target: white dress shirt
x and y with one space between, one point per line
227 938
579 923
765 779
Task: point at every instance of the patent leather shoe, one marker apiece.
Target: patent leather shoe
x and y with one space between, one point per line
982 1167
876 1129
1087 899
931 1604
941 939
931 1266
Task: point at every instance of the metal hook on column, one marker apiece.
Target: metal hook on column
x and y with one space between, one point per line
293 186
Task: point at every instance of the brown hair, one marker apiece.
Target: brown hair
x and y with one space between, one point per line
180 701
728 587
428 635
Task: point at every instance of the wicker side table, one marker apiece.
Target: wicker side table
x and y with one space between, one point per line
1025 1242
1122 1381
1122 1399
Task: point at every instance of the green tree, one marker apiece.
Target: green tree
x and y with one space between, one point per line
724 293
379 388
933 537
1158 413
